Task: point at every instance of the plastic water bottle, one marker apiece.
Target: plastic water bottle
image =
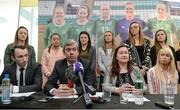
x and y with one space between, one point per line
5 98
139 86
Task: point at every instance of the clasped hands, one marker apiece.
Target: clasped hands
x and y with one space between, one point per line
127 88
63 90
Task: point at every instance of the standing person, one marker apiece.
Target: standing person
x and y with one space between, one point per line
104 23
105 54
63 71
83 23
177 53
160 42
24 76
139 48
106 51
122 25
163 21
86 50
164 72
50 55
58 25
122 74
21 38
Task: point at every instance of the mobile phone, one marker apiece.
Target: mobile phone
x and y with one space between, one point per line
163 105
45 99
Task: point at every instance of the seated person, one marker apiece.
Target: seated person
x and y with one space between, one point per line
64 67
164 72
123 74
24 76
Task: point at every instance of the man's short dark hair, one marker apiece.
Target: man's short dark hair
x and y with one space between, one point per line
17 47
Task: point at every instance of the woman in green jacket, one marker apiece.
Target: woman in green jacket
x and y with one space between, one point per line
21 38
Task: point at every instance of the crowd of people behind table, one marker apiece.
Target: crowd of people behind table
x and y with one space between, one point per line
114 54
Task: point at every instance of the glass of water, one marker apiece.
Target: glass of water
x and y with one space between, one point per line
124 97
170 90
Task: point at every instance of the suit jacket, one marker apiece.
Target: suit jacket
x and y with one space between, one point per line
58 74
33 77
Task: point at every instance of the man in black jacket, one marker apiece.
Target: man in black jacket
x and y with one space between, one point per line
63 72
24 76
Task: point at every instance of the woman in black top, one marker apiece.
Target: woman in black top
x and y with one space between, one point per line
178 61
160 42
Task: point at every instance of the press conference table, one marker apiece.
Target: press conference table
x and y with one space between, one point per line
68 103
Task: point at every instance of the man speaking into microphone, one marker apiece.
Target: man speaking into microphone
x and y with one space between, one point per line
63 80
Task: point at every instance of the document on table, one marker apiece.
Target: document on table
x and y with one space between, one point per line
131 98
65 97
98 94
22 94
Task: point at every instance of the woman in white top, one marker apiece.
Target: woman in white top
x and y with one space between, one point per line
164 72
105 53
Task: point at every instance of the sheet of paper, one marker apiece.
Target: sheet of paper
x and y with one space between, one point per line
22 94
131 98
65 97
98 94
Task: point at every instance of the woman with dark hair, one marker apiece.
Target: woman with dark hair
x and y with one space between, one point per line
159 42
177 53
21 38
86 50
50 55
122 74
139 48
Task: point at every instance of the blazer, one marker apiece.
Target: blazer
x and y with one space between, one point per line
33 77
58 74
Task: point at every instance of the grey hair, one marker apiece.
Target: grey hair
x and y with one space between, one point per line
70 42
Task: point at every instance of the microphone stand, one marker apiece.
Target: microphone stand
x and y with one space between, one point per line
87 99
77 99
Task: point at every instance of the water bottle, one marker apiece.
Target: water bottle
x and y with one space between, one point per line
5 98
139 86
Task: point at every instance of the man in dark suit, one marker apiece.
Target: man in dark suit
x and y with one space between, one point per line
63 72
25 77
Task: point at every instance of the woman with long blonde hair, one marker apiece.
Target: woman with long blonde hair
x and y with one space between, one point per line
164 72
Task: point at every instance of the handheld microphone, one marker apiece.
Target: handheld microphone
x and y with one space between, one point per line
78 68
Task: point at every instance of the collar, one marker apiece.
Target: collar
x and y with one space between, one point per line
105 19
18 67
57 25
69 63
78 22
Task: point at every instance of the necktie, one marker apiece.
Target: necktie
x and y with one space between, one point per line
21 76
70 82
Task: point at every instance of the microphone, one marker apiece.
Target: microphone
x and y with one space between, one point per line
78 68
